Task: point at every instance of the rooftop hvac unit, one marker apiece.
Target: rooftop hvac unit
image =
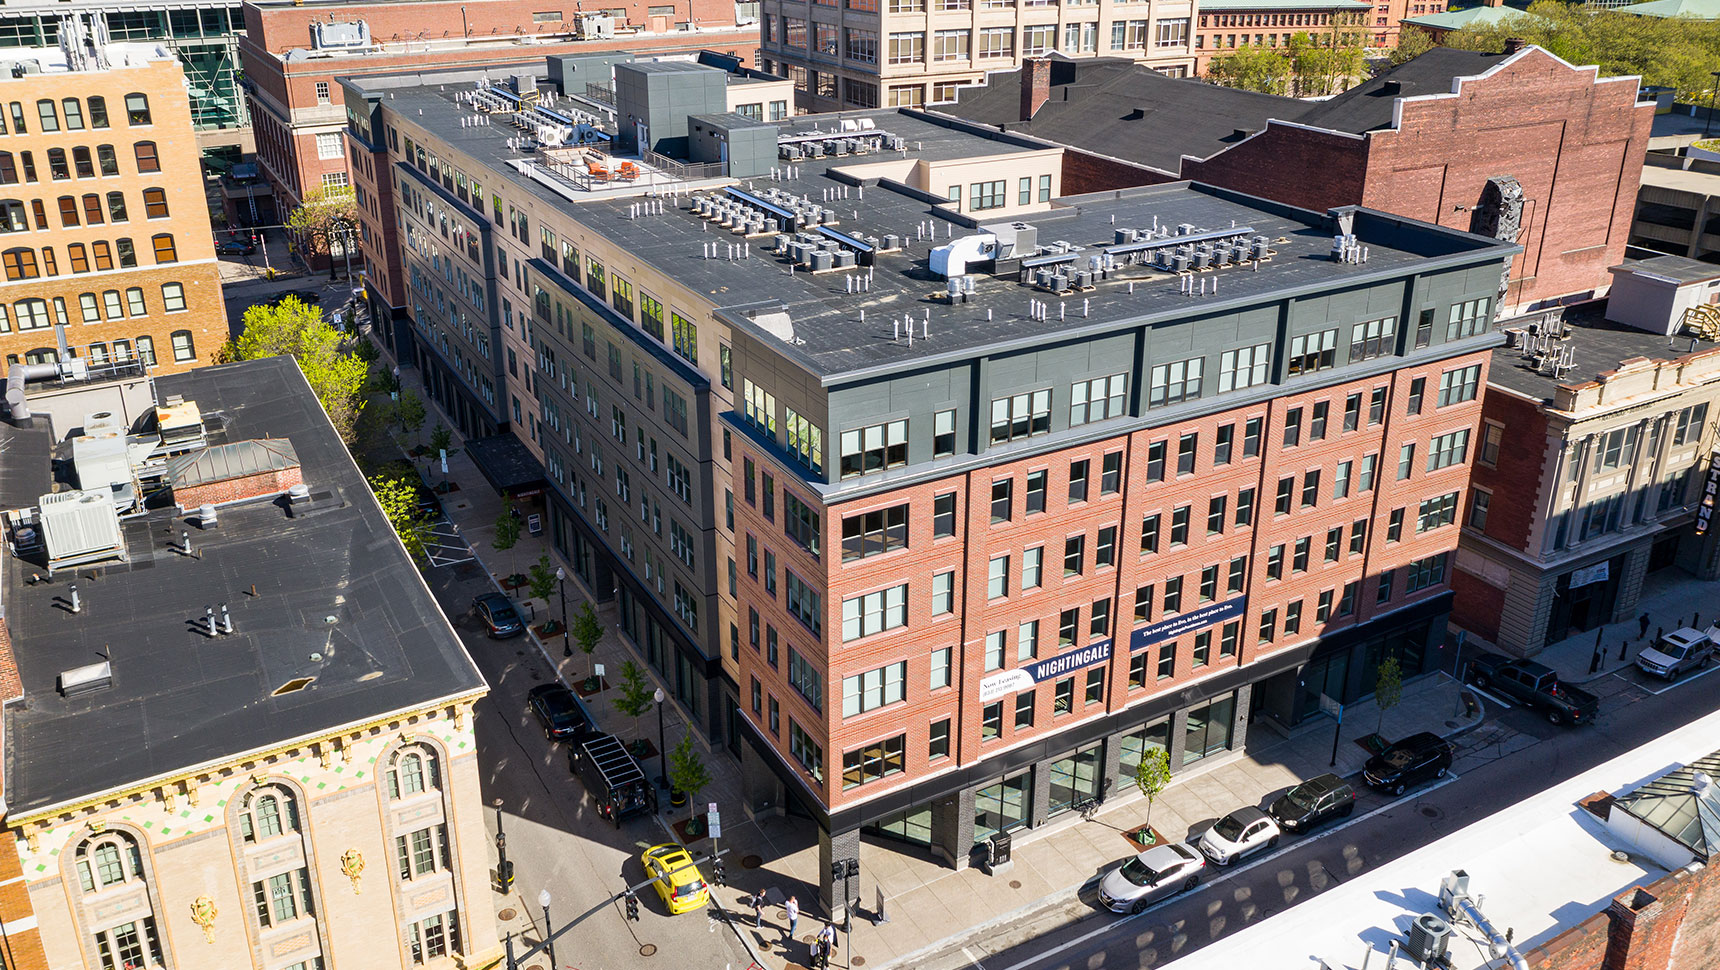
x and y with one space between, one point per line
101 463
104 422
181 427
1429 937
80 527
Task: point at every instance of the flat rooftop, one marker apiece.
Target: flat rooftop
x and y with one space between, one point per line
52 60
1544 865
1599 345
336 600
826 309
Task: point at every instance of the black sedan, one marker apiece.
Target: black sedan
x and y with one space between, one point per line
559 712
234 247
1413 760
499 617
1314 802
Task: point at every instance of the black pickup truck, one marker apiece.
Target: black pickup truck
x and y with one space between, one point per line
1532 684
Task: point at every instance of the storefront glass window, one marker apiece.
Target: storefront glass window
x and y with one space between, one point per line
1003 806
1074 779
1208 730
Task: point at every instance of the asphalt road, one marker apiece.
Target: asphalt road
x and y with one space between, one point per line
554 837
1512 754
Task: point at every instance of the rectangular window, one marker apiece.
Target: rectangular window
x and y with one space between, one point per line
1020 416
873 448
1244 367
1187 447
1150 533
1179 525
805 750
872 689
1299 555
809 683
1358 536
1002 500
1097 399
997 578
1406 461
1027 641
1077 481
875 612
1068 625
1221 445
944 515
1105 547
1313 352
1417 388
1479 500
1024 705
800 521
938 743
1441 510
991 721
1156 461
988 195
1292 427
1173 594
1215 509
1074 553
1457 386
1275 562
1310 488
943 593
874 532
1111 474
1468 319
1251 437
1614 449
944 434
1373 339
1341 481
941 667
1376 406
1425 572
1492 436
1208 583
1175 382
1452 449
1143 603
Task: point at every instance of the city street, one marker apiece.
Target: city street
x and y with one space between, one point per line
1513 754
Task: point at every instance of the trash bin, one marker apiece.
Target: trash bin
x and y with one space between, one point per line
997 850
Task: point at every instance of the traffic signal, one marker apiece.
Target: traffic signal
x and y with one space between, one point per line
717 872
633 907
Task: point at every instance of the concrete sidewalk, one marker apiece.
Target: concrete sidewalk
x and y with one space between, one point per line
929 904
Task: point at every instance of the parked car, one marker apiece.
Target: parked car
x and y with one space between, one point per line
1409 762
1534 685
678 880
500 618
1314 802
1675 654
234 247
559 712
616 782
1158 873
1242 832
307 296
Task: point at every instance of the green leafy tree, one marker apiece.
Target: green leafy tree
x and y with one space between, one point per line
1677 52
324 212
634 698
1388 688
1152 775
298 330
1328 64
399 500
440 439
688 774
507 531
1412 43
409 410
587 631
542 578
1251 69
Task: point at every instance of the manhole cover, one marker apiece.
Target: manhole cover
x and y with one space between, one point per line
1015 884
506 914
857 962
1431 812
751 862
648 950
535 966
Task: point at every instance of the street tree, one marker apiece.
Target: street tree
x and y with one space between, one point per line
688 775
541 576
1388 688
634 697
1152 775
298 330
409 409
587 631
399 500
507 531
325 210
441 438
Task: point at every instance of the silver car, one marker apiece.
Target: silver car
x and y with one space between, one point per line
1676 653
1158 873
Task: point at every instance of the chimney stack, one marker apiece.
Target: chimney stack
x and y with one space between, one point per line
1035 85
1513 45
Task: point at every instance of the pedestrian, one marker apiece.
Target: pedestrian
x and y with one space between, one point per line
826 943
1642 621
793 909
758 909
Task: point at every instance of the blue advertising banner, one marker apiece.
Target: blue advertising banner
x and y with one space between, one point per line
1186 623
1005 682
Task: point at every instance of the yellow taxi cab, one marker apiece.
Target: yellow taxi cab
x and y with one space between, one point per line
681 886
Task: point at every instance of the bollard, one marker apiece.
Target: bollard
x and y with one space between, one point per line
1622 644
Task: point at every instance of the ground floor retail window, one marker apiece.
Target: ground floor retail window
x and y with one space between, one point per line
1002 807
1132 746
909 825
1075 779
1209 728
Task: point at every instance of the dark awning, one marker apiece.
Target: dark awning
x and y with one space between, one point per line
507 465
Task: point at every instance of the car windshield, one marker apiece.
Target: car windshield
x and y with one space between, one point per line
1303 796
1229 827
1673 651
1140 873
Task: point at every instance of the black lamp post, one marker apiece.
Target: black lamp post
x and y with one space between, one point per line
549 938
561 583
1709 121
662 753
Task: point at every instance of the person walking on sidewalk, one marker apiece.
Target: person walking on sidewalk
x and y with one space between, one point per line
1642 623
758 909
793 910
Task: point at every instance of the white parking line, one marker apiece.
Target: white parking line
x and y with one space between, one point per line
971 959
1224 875
1666 684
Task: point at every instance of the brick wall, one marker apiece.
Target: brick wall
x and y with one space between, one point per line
1514 479
1084 172
1477 606
1671 924
235 489
1302 166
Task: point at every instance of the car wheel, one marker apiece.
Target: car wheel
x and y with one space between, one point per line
1272 843
1190 883
1399 788
1481 680
547 735
1346 810
1140 905
1556 716
1440 773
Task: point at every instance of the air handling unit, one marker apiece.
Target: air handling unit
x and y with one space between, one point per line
79 528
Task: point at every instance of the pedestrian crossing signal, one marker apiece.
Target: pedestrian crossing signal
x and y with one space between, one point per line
633 907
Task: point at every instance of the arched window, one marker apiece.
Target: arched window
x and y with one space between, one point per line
173 297
80 257
103 254
147 159
106 860
413 771
183 348
155 203
69 211
85 166
20 264
116 207
98 113
8 169
32 314
146 349
41 355
268 812
57 167
121 351
29 162
164 250
115 308
74 112
137 108
91 309
50 117
98 354
108 161
92 209
134 301
13 218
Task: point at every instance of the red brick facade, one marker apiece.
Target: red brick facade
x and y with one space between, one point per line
236 489
1671 924
1134 499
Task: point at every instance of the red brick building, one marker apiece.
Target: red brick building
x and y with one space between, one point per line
1518 145
294 52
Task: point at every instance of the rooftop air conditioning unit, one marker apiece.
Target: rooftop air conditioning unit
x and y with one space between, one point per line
103 422
1429 937
80 527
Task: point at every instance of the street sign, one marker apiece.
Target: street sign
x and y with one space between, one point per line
444 461
714 821
1329 705
599 670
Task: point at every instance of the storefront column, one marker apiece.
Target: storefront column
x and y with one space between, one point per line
834 846
952 828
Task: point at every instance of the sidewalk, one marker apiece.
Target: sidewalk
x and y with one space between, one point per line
928 904
1671 599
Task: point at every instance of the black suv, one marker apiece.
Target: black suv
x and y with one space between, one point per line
559 712
1314 802
1411 761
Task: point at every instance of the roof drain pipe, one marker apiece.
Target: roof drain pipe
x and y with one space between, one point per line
1454 898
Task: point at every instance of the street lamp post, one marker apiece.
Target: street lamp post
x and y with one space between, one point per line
549 937
561 582
1712 93
662 753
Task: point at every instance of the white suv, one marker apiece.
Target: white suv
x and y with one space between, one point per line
1676 653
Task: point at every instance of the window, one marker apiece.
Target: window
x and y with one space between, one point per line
1245 507
1078 481
146 349
940 668
1222 443
944 515
412 771
805 750
1286 489
1457 386
997 42
1394 526
860 46
1174 382
938 745
147 160
874 448
1311 488
1020 415
997 579
994 644
1187 446
1150 533
875 532
322 90
1467 319
1690 422
1341 481
1251 437
950 45
1299 555
991 721
20 264
1105 547
1492 436
1373 339
282 898
1292 427
164 250
1208 583
874 612
155 203
1425 572
1242 368
1173 594
1156 461
98 112
944 434
328 143
422 852
1358 536
799 520
684 333
1479 500
128 945
1179 525
1097 399
1172 32
1074 553
943 593
1451 449
1215 508
1376 406
1313 352
1238 572
50 118
137 109
1334 543
1441 510
807 681
1417 388
880 759
1111 474
907 48
988 195
1024 705
1002 499
1614 448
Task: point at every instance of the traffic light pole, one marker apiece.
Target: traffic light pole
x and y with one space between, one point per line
549 939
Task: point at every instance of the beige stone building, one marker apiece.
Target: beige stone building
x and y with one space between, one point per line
247 738
104 229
